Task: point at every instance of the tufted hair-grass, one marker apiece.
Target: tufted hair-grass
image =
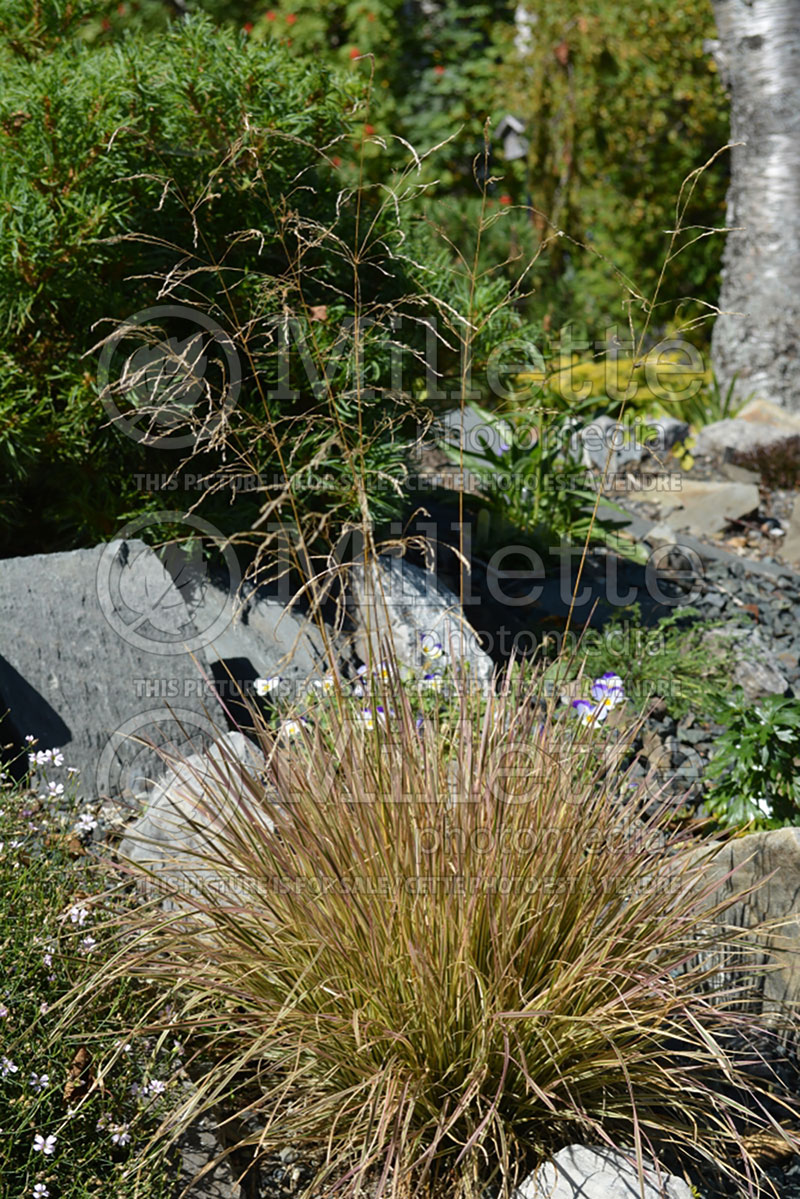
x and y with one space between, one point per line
459 949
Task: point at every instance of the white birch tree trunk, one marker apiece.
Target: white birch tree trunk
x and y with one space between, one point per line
758 54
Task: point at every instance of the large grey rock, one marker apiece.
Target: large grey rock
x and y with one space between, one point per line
187 812
738 437
397 602
756 669
579 1172
92 650
770 862
263 637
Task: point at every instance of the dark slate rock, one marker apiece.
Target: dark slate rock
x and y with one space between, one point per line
93 650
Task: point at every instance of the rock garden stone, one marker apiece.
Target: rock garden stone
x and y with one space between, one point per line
738 436
186 813
262 638
769 861
579 1172
396 602
705 508
93 643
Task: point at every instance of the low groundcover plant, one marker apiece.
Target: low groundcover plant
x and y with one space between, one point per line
441 958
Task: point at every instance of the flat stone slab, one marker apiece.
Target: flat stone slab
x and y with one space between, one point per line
705 508
94 649
764 411
579 1172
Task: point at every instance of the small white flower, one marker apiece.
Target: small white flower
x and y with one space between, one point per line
325 685
40 1191
120 1134
432 647
3 1011
39 1081
47 958
73 770
7 1067
88 944
29 738
293 728
54 790
78 914
86 822
263 687
44 1008
58 757
46 1145
433 682
155 1087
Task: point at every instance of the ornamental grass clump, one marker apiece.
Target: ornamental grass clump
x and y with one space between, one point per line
452 947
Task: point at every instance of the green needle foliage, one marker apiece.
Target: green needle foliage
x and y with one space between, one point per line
428 955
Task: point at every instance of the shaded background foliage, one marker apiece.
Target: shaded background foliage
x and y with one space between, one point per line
115 118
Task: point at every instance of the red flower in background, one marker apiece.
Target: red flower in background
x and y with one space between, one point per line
248 27
270 16
336 160
291 18
355 52
369 129
438 70
505 199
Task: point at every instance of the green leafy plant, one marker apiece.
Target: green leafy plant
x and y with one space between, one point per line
755 772
426 958
535 482
669 660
